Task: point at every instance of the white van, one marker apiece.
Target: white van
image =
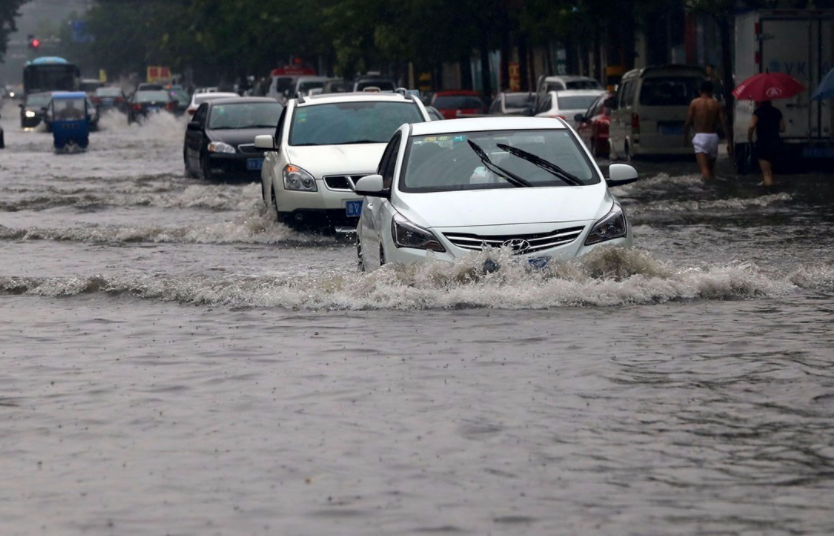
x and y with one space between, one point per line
649 111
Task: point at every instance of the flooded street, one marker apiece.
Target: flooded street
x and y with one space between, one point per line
174 361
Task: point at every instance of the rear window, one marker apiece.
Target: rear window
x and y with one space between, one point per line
383 85
350 122
671 91
519 101
38 100
108 92
583 84
307 86
458 102
151 96
580 102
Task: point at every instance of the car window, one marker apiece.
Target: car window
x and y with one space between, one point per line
459 102
623 95
495 108
108 92
389 161
350 122
201 113
519 101
547 104
583 84
576 102
555 86
671 91
244 115
280 128
151 96
438 163
38 100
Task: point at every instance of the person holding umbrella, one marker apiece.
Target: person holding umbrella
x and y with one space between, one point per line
767 122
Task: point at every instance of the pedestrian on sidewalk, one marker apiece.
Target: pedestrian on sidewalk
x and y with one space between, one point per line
705 114
767 122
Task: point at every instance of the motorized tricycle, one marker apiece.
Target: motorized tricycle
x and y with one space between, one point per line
69 120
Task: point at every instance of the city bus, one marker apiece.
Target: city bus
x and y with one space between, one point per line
50 74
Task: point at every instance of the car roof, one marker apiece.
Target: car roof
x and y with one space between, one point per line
68 95
567 78
577 92
241 100
215 95
485 124
328 98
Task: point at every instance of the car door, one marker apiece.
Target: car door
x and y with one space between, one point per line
271 163
584 127
374 208
620 117
194 136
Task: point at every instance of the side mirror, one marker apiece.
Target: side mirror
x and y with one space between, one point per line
370 185
620 175
194 125
579 118
265 142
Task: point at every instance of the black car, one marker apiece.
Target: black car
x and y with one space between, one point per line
182 100
220 139
106 99
144 103
33 109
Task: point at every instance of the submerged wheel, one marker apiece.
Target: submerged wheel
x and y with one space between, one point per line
381 255
204 168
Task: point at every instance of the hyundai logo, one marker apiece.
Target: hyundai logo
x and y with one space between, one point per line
517 245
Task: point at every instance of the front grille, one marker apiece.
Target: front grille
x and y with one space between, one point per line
520 243
248 148
342 182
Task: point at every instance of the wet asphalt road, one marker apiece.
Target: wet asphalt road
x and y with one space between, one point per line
176 362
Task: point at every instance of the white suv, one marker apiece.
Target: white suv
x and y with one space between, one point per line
322 145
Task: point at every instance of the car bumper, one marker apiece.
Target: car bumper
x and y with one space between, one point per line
557 254
234 165
324 199
31 122
660 145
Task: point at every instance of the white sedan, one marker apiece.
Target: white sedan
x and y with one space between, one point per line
199 98
448 188
567 104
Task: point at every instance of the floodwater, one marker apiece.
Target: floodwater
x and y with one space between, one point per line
176 362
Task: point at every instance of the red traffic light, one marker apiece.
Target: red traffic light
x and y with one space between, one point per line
34 43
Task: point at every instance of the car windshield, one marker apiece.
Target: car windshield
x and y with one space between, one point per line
350 122
38 100
576 102
458 102
441 163
108 92
671 91
245 115
151 96
308 85
519 101
583 84
283 83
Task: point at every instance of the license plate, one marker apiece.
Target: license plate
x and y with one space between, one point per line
670 130
818 152
107 101
254 164
538 262
153 108
353 209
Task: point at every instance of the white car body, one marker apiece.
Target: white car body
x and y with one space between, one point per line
553 106
553 221
334 167
199 98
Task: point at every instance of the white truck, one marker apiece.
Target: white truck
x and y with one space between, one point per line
798 42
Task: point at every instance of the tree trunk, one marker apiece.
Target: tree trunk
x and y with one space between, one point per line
725 26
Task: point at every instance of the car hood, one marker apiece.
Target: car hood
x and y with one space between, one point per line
238 136
506 206
335 159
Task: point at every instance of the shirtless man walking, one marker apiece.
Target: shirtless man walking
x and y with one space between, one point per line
705 114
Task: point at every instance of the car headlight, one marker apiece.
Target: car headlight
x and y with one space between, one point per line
296 178
613 225
30 113
220 147
408 235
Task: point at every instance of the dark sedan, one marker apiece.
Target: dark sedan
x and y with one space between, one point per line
109 98
33 109
144 103
220 139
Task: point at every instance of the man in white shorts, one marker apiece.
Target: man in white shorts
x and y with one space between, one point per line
705 114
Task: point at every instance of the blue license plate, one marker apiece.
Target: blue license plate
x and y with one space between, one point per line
353 209
254 164
538 262
818 152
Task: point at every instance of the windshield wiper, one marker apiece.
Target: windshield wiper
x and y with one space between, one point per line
509 176
546 165
355 142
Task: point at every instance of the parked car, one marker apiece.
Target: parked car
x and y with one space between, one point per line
337 86
546 84
106 99
33 109
446 189
220 139
145 102
566 104
322 145
512 104
457 103
650 109
90 85
199 98
383 84
593 125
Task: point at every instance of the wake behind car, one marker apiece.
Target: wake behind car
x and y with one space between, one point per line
322 145
446 189
219 141
143 103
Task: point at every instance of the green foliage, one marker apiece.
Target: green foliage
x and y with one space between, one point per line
8 14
